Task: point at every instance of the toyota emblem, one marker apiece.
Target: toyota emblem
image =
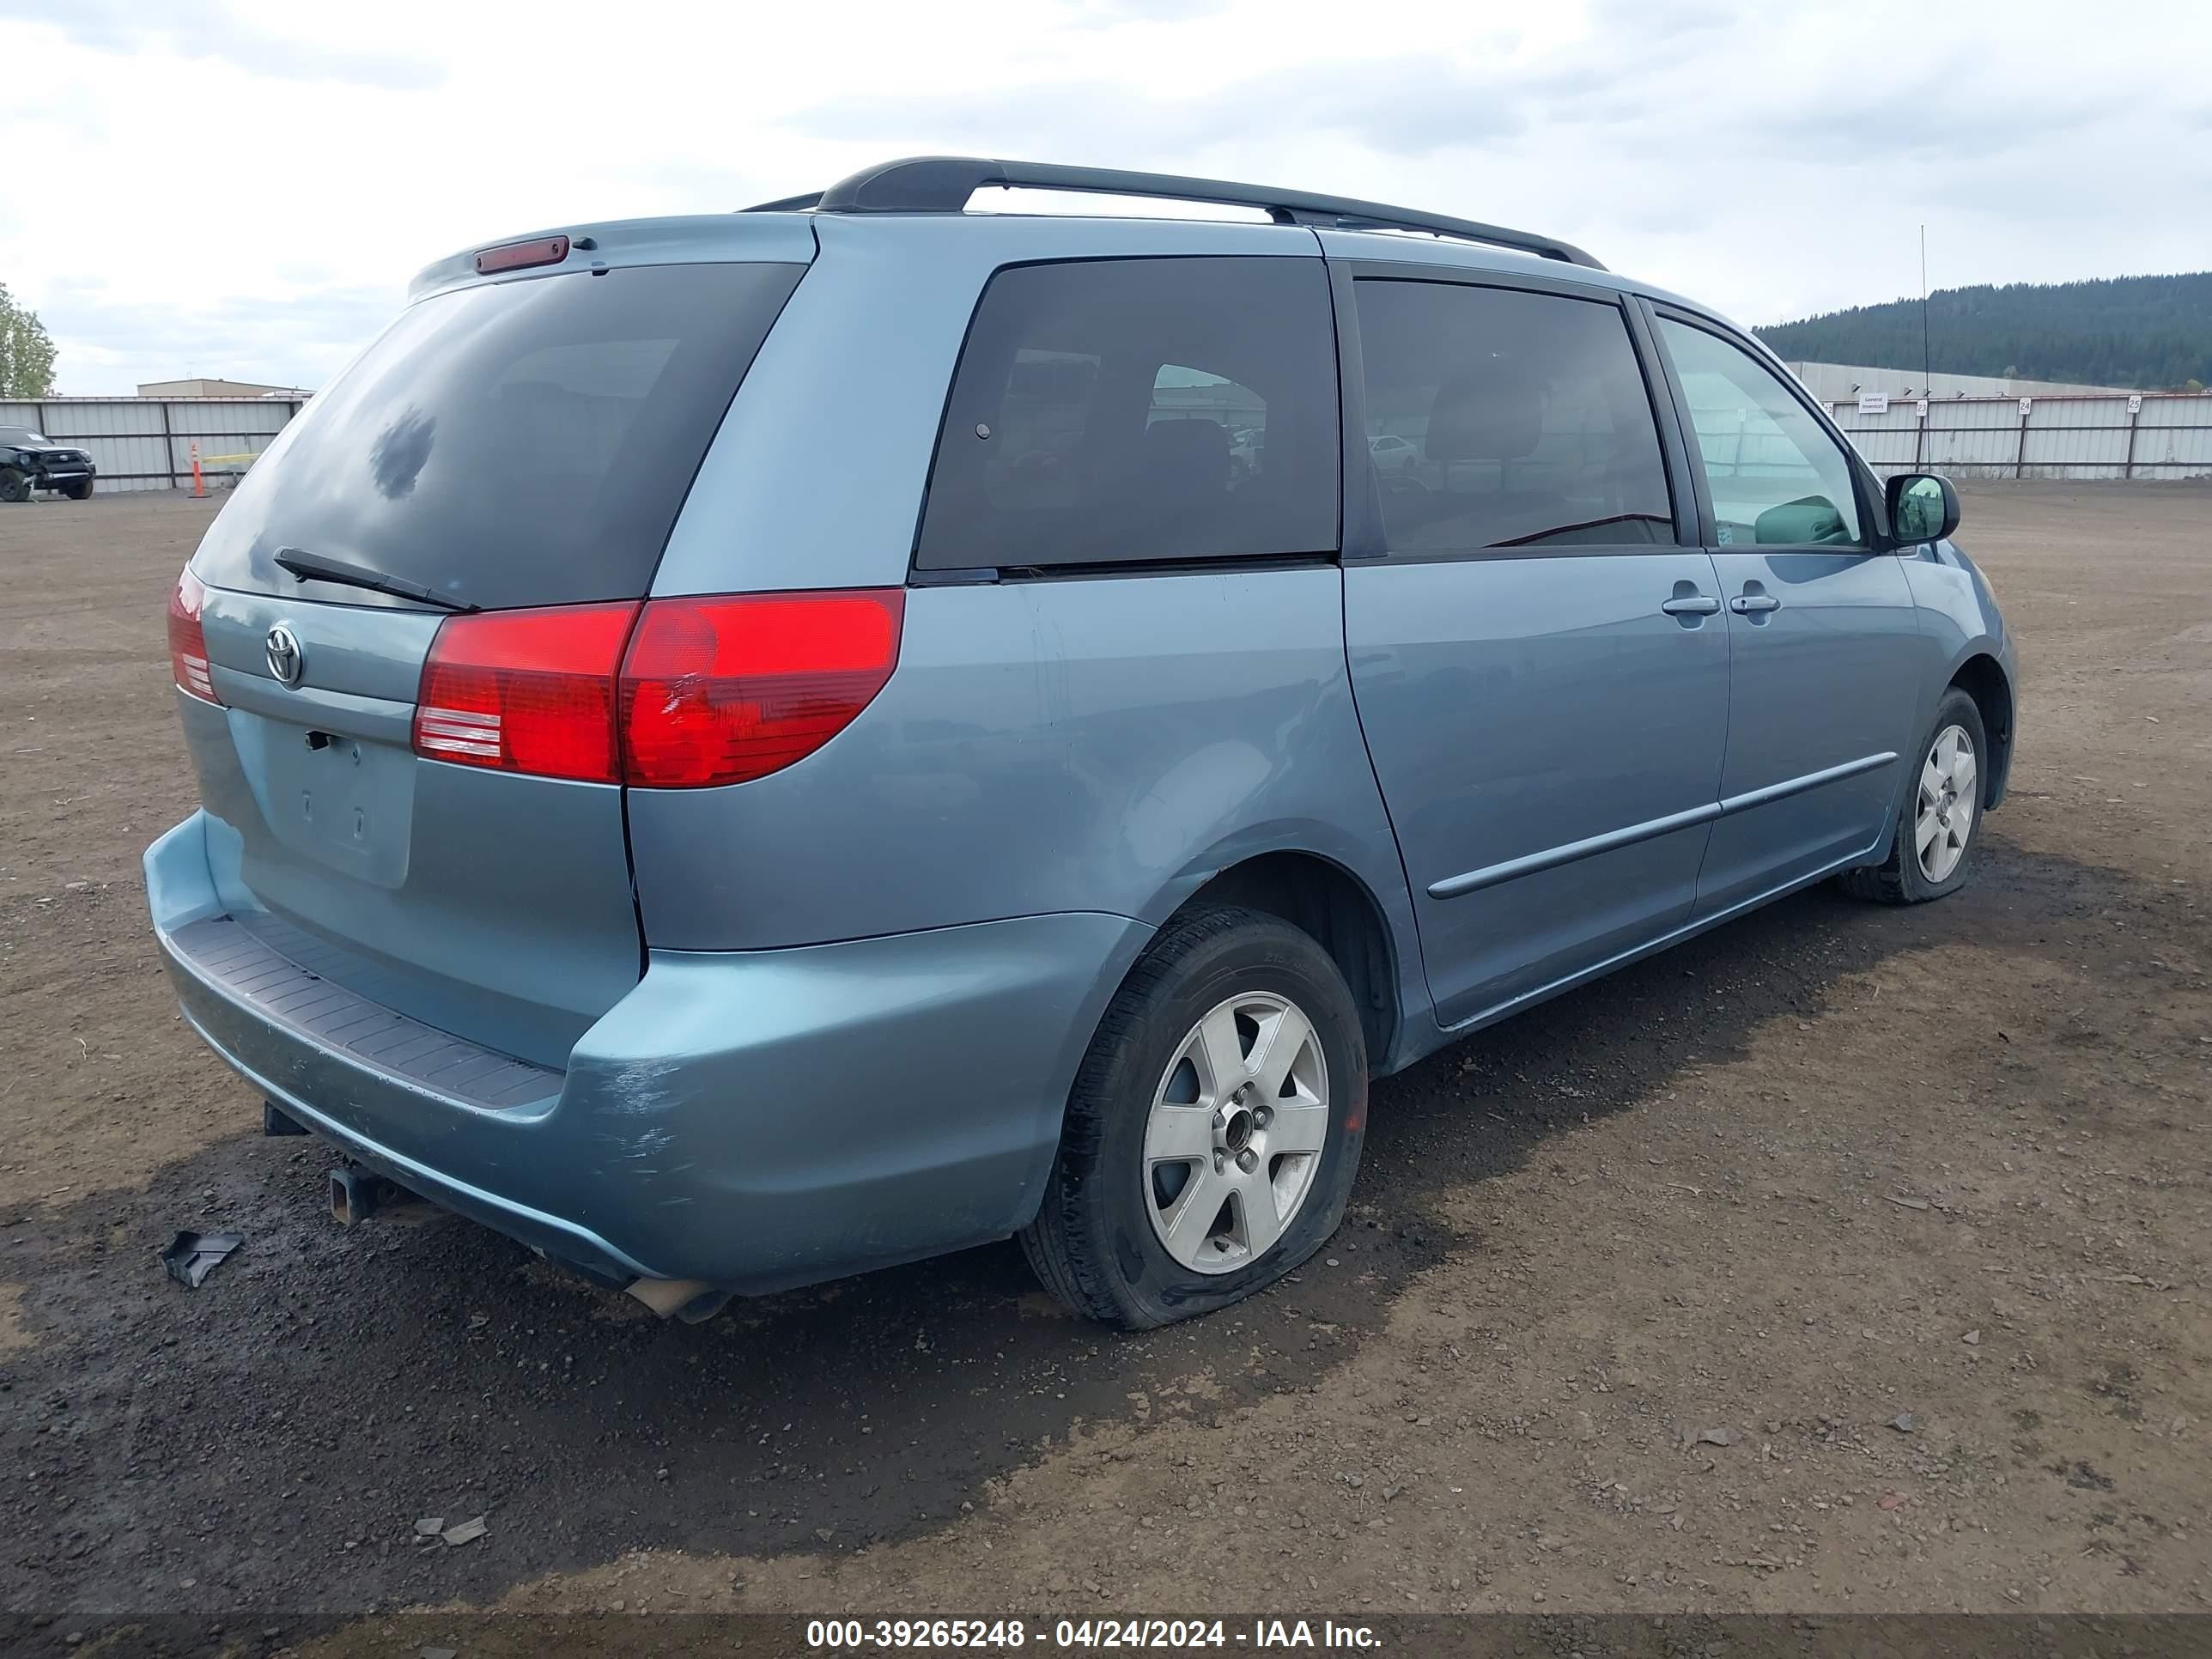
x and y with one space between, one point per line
285 660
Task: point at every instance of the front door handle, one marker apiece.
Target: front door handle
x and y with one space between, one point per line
1691 604
1752 604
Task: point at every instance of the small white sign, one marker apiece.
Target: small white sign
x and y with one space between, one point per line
2134 403
1874 403
2025 404
1920 407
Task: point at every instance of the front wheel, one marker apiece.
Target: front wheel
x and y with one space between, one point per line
78 490
1931 851
1214 1128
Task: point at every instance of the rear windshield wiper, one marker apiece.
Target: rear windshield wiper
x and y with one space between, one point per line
306 565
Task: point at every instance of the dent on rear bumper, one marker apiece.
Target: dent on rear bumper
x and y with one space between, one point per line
755 1119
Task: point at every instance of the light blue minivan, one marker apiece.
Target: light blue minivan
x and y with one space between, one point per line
740 750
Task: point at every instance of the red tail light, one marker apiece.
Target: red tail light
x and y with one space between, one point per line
721 690
188 657
711 691
526 691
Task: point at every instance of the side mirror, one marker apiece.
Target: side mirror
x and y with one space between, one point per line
1922 507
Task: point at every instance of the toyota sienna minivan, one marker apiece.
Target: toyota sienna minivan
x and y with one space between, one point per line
739 750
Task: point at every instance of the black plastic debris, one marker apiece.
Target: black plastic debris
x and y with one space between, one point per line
193 1257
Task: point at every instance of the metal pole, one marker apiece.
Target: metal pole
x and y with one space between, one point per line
2020 457
1919 437
168 450
2128 466
1927 374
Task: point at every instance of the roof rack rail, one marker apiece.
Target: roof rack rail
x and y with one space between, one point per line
943 184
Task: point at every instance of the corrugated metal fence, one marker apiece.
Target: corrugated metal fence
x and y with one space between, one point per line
145 443
2150 434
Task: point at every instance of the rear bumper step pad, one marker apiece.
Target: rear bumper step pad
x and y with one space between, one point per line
249 971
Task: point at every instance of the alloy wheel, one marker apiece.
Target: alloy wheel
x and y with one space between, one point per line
1949 790
1236 1133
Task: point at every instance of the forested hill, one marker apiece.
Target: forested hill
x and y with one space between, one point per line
2154 332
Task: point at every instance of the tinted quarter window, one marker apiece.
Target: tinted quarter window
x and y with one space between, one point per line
1501 418
1139 410
1775 476
516 443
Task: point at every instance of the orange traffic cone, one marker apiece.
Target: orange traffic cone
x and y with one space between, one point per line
199 489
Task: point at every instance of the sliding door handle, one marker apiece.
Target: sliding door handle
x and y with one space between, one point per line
1691 604
1751 604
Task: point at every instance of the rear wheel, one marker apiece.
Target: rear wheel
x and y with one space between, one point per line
1214 1128
1931 850
14 485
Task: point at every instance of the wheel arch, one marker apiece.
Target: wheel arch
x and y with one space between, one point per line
1340 912
1982 677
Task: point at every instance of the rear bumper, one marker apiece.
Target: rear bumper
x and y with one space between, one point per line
756 1119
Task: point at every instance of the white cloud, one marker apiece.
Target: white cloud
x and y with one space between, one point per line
249 186
208 30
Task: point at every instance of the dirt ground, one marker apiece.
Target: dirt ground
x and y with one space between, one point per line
1845 1259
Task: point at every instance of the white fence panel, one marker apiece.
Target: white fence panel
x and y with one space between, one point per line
146 443
2150 434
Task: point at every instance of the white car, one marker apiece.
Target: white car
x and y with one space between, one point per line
1392 453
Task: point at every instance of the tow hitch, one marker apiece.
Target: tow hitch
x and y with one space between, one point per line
357 1194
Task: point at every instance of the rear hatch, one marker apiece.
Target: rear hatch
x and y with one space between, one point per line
504 447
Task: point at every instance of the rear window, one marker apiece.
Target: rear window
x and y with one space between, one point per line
512 444
1128 410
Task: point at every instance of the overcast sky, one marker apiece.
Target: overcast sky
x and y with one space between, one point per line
244 189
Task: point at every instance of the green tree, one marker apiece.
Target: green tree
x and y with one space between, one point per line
2148 332
26 351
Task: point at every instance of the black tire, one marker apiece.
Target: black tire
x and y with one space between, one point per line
1898 878
14 485
79 491
1093 1244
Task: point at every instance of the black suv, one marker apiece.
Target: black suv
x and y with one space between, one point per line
29 462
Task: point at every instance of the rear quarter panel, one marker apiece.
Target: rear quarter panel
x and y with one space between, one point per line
1088 745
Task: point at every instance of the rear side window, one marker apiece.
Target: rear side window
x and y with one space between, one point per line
1128 411
517 443
1502 418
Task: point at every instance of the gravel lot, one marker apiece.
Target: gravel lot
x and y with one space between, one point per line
1847 1259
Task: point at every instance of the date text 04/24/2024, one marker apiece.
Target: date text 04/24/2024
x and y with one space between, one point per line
1082 1634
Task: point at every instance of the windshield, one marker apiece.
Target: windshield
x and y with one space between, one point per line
519 443
19 434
